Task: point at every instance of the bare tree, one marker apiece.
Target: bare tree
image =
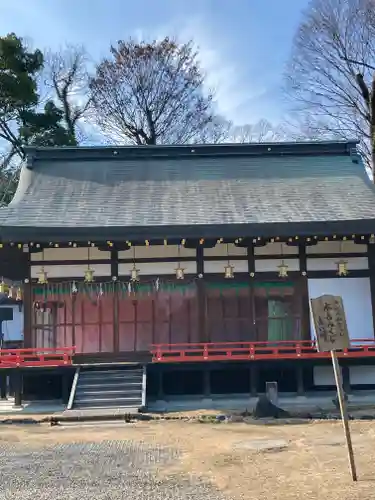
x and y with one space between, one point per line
153 93
262 131
65 73
331 74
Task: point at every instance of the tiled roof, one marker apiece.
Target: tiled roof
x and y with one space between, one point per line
256 188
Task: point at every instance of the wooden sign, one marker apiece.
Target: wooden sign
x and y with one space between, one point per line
332 335
331 329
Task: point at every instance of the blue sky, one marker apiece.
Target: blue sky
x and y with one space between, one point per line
244 44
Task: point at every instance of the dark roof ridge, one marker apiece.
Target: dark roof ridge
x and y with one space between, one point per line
92 153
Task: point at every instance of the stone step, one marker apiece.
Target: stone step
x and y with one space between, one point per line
108 385
108 393
109 403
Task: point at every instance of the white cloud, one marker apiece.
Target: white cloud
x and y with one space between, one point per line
223 73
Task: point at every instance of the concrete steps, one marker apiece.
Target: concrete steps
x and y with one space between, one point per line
110 388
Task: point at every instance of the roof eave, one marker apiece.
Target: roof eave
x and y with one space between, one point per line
268 230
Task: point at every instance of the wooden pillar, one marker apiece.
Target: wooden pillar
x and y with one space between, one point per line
206 382
3 384
371 263
17 385
251 313
201 296
66 386
304 294
254 380
27 314
300 380
346 379
160 374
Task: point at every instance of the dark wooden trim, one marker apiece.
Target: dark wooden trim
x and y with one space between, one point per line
302 255
211 258
343 255
207 231
371 261
356 273
201 296
114 263
250 260
116 326
69 279
70 262
74 303
27 305
304 292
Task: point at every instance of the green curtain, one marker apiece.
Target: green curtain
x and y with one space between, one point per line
280 325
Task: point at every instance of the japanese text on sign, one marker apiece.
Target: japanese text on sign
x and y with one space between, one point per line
330 323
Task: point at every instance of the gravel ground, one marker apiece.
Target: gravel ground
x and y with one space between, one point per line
107 470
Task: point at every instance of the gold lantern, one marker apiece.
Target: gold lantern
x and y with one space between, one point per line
180 271
342 268
134 272
283 270
19 294
43 278
228 269
4 288
89 275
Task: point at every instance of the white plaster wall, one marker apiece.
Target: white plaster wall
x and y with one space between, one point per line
157 268
271 265
240 266
356 295
323 375
71 271
13 330
336 247
222 249
364 375
353 263
157 251
276 249
359 375
69 254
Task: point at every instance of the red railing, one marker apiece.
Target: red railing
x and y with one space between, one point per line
226 351
14 358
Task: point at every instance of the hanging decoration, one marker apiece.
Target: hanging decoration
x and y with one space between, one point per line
19 295
342 268
228 269
4 288
342 265
42 279
180 271
283 268
42 275
134 272
89 273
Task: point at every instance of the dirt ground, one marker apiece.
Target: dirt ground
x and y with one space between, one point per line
305 461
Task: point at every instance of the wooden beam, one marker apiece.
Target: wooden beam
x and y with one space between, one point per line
371 263
304 293
201 296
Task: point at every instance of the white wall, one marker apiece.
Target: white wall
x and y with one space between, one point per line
362 375
13 330
356 295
